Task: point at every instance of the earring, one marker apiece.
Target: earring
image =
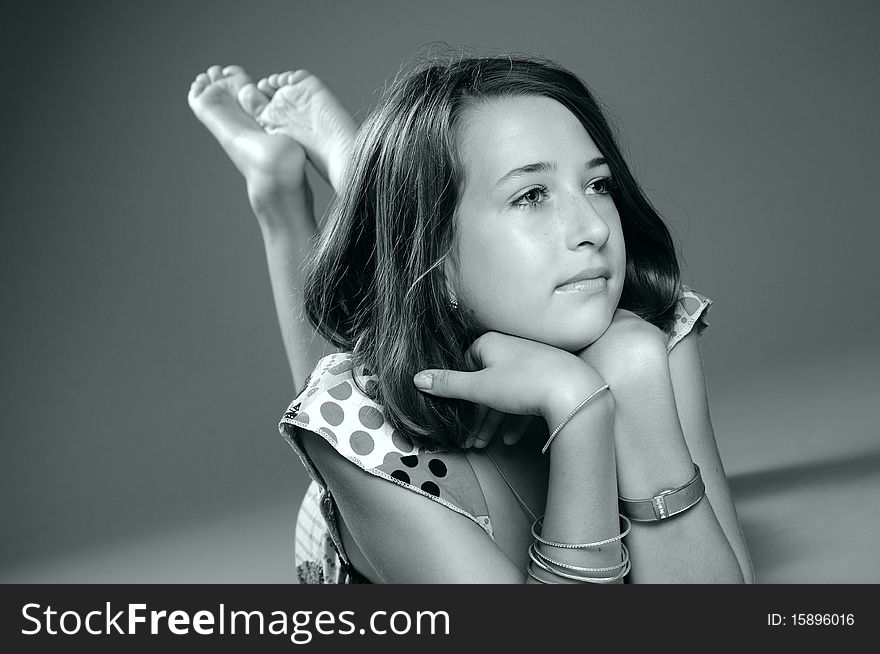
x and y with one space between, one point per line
453 303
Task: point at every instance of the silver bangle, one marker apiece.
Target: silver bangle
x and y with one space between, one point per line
584 579
580 546
624 557
536 577
570 416
666 503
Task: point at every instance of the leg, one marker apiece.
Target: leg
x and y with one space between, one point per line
273 166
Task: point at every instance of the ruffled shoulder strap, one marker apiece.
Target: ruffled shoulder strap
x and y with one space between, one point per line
337 404
691 312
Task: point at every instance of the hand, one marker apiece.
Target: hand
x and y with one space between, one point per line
490 422
516 376
629 348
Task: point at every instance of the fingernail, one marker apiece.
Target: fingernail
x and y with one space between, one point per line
423 380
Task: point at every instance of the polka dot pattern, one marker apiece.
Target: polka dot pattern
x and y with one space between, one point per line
332 413
361 442
690 313
341 391
341 368
329 435
432 488
336 404
400 442
371 417
437 467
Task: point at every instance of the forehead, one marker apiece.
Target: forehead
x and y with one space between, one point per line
499 134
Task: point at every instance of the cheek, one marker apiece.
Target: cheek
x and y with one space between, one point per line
498 270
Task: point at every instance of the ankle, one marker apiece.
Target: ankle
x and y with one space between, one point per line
274 201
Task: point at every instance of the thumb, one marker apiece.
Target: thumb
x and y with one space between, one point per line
446 383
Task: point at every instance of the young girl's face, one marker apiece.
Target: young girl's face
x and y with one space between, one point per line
540 251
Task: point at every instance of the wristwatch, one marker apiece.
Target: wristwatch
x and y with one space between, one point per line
667 503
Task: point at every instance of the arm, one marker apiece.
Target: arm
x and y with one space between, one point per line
394 535
692 404
287 223
652 454
523 377
401 536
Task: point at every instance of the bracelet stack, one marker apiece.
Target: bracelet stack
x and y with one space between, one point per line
574 572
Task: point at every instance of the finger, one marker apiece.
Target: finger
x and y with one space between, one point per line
489 428
480 414
476 355
513 428
450 383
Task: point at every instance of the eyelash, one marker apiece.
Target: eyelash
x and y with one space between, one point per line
518 203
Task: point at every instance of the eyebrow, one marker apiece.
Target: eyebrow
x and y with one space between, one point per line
542 167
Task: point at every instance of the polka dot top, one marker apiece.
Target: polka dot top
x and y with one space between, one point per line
336 403
692 312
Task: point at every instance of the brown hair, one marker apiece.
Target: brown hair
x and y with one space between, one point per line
377 286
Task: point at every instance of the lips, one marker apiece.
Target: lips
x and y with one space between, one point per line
586 275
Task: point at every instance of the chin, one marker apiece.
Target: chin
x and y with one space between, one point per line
585 334
575 342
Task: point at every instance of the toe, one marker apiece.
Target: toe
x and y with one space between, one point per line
252 100
284 77
264 86
233 70
199 84
273 80
298 76
215 73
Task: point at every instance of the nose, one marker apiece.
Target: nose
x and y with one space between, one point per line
585 222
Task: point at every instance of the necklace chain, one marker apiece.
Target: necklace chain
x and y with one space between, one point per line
512 490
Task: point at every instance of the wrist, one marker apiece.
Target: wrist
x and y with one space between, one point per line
586 408
574 384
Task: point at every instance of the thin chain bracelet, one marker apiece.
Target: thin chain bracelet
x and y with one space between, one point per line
570 416
580 546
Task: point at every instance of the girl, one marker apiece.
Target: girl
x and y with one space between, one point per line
489 256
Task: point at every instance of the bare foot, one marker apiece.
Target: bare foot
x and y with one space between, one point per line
216 98
299 105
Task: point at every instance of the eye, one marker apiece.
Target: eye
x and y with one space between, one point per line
531 197
601 186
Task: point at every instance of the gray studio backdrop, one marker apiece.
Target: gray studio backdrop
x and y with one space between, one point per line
143 370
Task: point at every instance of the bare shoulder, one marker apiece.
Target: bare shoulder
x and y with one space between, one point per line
402 536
